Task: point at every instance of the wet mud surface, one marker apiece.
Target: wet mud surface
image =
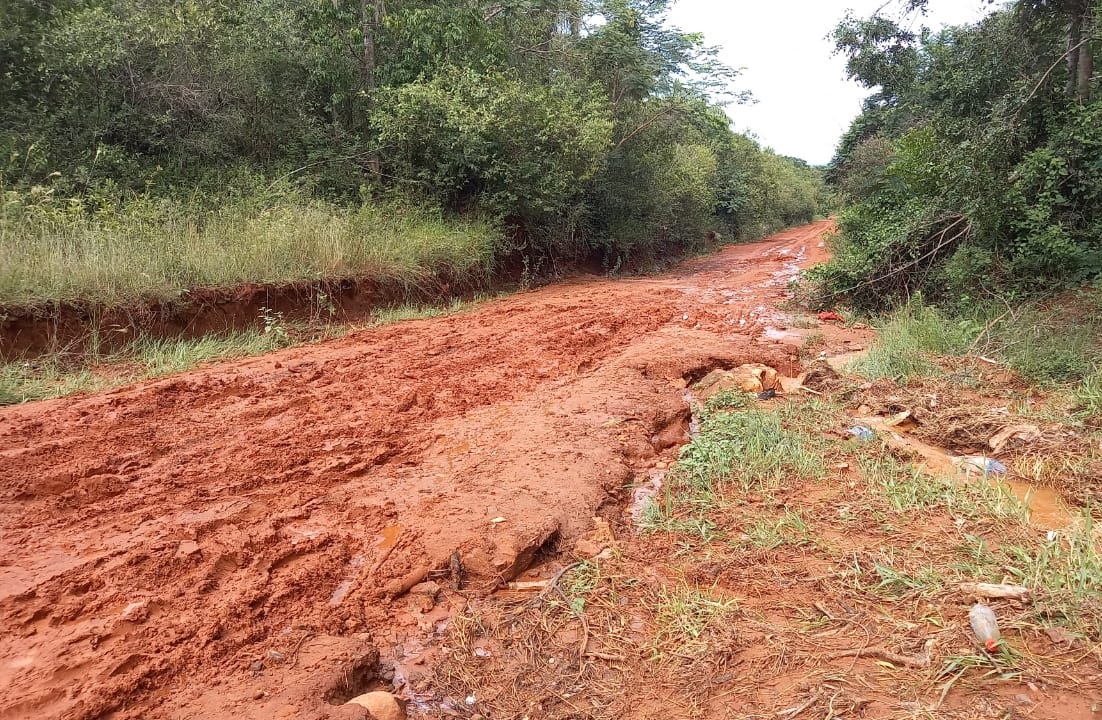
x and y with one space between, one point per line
239 540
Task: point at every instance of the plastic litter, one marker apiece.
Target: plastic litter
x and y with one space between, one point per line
985 625
862 433
986 465
767 394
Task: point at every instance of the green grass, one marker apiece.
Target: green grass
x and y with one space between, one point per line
147 357
22 381
770 533
160 249
401 313
910 339
753 448
683 614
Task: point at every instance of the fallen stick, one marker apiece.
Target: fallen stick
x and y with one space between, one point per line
529 584
989 590
920 661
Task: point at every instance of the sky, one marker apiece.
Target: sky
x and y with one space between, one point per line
804 102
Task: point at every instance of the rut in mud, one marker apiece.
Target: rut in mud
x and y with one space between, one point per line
227 541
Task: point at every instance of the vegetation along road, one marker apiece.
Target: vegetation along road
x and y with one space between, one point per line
421 360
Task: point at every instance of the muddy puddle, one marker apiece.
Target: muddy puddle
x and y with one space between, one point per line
1047 509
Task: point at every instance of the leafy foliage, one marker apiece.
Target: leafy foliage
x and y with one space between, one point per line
993 130
577 126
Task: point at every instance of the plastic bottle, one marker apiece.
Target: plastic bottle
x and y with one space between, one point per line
985 625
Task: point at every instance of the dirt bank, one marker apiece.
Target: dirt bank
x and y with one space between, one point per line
228 541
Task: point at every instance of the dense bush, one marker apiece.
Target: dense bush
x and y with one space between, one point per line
573 126
974 169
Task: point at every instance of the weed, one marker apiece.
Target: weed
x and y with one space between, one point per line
752 448
1065 569
771 533
683 614
804 323
909 339
159 249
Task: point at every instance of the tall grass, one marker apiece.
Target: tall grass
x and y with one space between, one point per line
910 339
159 248
146 357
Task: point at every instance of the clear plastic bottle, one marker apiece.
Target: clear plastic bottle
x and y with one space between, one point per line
985 625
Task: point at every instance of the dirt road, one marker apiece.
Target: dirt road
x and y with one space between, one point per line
227 541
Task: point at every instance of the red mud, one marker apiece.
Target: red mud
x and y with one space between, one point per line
228 541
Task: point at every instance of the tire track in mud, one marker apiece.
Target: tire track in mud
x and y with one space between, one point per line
160 540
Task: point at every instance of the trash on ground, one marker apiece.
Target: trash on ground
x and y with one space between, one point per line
986 465
985 626
768 394
990 590
862 433
1019 433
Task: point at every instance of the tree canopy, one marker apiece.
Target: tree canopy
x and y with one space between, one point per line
975 166
575 124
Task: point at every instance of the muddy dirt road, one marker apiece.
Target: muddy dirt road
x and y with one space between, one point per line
227 541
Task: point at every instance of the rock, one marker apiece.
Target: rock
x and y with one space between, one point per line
276 656
136 611
257 667
382 705
751 378
187 548
587 548
426 588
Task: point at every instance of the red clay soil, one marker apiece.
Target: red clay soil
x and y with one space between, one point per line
230 541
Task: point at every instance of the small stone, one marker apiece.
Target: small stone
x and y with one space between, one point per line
276 656
429 588
257 667
259 695
661 465
381 704
587 548
136 611
187 548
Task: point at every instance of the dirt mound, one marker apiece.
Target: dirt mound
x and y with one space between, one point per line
178 548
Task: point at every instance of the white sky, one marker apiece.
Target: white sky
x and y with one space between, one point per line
804 101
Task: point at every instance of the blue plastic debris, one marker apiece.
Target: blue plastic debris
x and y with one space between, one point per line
862 433
986 465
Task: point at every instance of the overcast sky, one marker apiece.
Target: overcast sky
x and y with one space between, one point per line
804 101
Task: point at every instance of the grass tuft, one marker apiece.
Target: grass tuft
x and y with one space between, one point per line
910 339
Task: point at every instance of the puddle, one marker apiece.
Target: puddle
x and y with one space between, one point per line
345 587
1047 509
389 537
777 334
